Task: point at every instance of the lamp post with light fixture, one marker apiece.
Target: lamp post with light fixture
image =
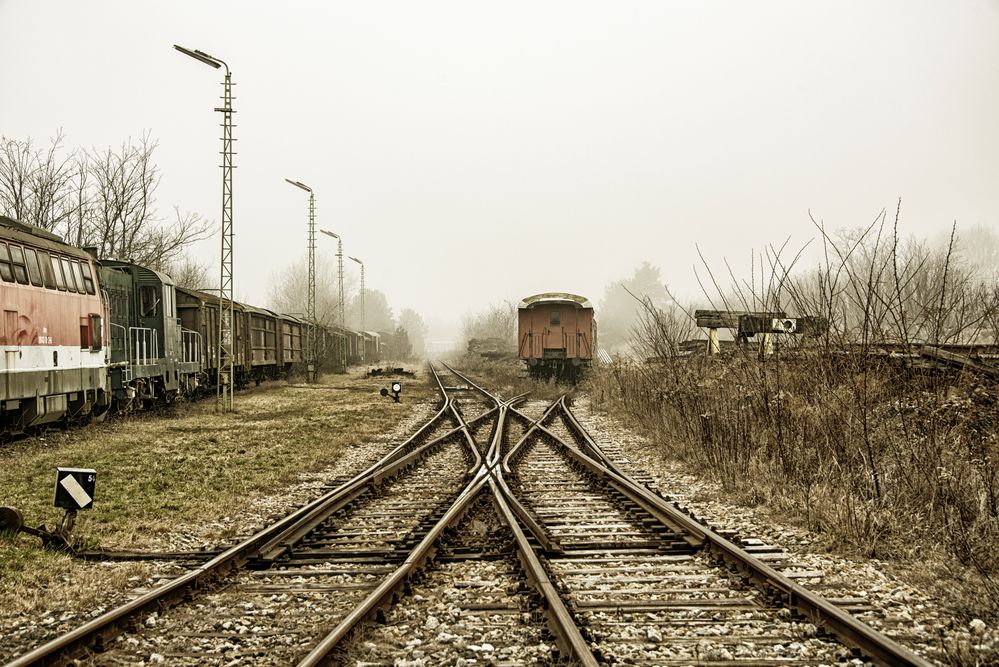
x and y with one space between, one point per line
363 339
310 362
340 308
224 351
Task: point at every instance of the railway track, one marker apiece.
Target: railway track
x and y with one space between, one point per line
491 534
320 558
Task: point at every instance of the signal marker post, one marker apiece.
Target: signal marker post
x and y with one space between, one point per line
74 491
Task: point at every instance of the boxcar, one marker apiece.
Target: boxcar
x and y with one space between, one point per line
52 333
372 351
263 342
292 341
556 335
199 312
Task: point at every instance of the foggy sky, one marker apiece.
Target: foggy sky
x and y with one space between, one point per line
472 153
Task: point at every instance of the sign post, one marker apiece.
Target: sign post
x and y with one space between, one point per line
74 491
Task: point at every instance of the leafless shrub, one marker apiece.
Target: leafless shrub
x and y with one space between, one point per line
497 321
881 452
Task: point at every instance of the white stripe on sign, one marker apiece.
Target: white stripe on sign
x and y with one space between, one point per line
81 497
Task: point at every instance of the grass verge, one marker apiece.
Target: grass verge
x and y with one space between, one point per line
162 475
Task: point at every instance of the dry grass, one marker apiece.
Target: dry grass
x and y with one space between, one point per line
885 461
165 474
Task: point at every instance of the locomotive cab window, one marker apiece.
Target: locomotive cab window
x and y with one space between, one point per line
57 271
45 264
34 272
554 318
78 276
6 268
67 271
88 278
147 301
17 259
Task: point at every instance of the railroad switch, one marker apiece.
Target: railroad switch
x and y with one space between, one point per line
74 491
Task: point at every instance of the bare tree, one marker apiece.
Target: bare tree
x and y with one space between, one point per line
104 198
124 213
35 183
289 292
497 321
16 160
413 324
192 274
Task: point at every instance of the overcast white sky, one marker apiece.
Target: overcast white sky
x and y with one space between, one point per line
473 152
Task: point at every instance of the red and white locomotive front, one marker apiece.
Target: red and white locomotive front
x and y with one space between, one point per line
53 364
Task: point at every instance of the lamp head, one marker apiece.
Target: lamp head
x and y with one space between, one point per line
199 55
299 184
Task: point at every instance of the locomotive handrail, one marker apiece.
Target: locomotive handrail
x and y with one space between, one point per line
147 345
128 343
187 338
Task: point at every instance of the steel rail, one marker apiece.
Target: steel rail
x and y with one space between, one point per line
388 466
560 622
284 542
844 626
543 536
93 632
424 550
391 584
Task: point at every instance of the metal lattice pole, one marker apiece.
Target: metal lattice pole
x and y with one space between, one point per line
363 351
341 316
343 319
224 397
362 309
312 286
310 316
225 348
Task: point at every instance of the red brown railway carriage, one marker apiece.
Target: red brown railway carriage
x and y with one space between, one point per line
291 342
52 332
556 334
263 343
199 312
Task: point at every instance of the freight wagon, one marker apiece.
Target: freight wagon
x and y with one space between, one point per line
556 335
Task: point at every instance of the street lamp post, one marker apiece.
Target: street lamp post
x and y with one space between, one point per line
311 315
362 306
340 307
223 353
